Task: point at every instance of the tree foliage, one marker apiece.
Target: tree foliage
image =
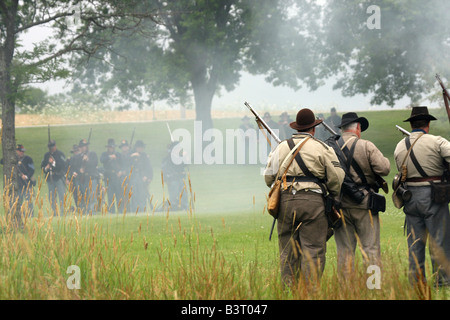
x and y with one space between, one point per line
72 23
400 59
202 47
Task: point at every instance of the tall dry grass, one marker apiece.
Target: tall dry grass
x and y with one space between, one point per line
165 255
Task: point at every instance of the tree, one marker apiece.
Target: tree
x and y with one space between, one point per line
71 22
201 47
398 59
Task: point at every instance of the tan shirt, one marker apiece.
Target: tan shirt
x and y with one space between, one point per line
319 159
370 159
429 150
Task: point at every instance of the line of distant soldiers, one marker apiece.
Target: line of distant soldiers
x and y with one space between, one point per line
285 131
122 182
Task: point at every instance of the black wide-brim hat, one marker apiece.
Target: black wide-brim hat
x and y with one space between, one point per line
351 117
420 113
139 144
305 120
111 143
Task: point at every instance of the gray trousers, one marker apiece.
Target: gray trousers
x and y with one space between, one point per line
56 190
358 225
302 235
427 219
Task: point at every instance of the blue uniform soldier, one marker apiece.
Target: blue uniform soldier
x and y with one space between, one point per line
54 167
112 164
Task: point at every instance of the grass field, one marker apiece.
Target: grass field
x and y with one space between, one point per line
218 250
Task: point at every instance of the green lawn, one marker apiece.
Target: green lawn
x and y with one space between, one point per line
218 250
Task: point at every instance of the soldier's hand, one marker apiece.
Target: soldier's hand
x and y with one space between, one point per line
85 157
75 174
112 156
24 177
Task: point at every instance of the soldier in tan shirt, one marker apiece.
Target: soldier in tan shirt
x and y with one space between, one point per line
425 217
359 222
302 223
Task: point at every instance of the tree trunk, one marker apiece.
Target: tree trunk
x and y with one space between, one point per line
203 102
204 91
7 94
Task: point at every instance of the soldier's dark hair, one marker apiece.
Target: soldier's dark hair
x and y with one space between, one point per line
419 124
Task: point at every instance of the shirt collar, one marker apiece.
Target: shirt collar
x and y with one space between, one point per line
302 133
418 130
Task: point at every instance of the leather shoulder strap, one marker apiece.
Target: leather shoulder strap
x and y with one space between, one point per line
414 159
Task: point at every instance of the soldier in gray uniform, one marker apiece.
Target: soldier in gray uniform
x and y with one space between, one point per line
302 222
425 165
360 220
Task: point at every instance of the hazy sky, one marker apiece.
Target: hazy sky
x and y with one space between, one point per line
257 92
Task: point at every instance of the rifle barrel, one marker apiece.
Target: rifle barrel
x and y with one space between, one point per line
334 133
263 123
403 130
170 132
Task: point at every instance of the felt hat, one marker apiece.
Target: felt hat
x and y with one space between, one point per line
420 113
305 120
351 117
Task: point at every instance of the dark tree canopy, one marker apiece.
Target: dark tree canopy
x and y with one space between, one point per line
202 47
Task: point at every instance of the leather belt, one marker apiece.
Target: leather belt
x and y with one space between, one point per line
426 179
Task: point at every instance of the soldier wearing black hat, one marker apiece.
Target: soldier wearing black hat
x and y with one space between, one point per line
125 175
425 159
70 181
141 177
26 180
364 161
112 165
86 177
54 167
175 178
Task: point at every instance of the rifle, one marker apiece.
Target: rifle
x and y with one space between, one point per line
89 138
403 130
334 133
170 132
262 124
132 137
446 96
